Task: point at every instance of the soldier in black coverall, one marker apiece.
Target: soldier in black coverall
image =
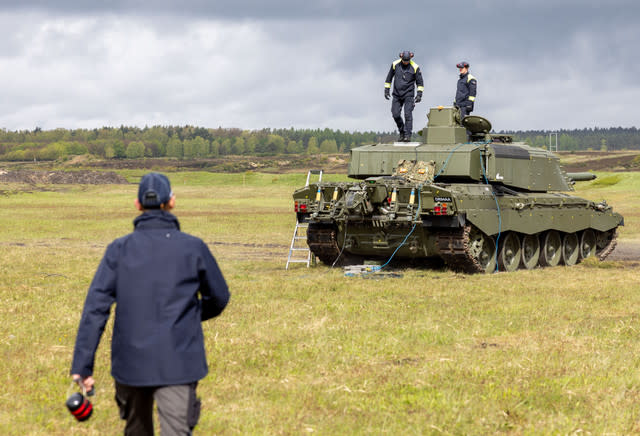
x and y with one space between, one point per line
405 75
466 90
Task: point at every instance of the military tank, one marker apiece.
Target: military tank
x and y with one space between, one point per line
476 200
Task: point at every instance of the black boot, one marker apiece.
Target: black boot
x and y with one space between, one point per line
401 137
407 138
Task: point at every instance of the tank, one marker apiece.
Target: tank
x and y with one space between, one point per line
476 200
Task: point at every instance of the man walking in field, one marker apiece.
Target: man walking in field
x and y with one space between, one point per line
164 283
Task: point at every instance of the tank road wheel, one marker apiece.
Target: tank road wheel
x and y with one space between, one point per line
509 253
530 251
570 249
587 244
551 249
482 249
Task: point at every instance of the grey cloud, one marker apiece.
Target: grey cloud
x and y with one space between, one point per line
255 64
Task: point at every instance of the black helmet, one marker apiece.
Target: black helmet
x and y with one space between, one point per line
406 55
462 64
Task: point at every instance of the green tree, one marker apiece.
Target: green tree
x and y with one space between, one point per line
294 147
312 147
200 146
328 146
225 147
119 150
158 136
75 148
188 149
603 144
275 144
238 146
175 147
135 150
214 149
250 144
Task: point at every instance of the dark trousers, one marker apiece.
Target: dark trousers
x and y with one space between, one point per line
404 127
464 111
178 408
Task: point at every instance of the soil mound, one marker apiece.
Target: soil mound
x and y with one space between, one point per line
62 177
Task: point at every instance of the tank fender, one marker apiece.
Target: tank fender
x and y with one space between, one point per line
535 221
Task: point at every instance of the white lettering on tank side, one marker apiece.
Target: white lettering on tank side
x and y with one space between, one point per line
499 177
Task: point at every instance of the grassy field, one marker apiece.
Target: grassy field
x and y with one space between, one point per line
309 351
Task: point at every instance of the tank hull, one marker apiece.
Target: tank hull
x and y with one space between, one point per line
458 223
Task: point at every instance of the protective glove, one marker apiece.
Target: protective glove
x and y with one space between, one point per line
386 93
419 97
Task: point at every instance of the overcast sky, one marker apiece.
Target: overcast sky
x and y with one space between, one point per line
545 64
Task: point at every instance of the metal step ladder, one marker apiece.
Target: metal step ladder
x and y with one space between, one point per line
299 249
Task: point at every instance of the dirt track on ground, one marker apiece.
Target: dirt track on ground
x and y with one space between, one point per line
80 177
599 161
331 164
626 251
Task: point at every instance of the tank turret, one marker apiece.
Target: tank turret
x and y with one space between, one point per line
461 158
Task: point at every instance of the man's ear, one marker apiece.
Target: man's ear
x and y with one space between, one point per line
171 203
138 205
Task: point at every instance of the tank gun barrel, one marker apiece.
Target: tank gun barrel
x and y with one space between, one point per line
581 177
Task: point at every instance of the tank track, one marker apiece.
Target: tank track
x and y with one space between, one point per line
454 249
322 242
606 251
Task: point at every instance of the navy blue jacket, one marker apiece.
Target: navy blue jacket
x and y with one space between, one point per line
466 90
164 283
405 78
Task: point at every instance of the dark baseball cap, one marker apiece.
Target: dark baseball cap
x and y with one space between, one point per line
462 64
154 190
406 56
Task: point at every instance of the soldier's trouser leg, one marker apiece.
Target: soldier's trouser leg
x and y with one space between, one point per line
464 111
136 407
396 108
178 409
409 104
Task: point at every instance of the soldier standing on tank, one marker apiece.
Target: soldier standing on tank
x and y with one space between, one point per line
466 90
406 75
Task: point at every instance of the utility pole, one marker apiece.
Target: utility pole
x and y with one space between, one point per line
552 146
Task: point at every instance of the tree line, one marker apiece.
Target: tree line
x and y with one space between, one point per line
182 142
190 142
